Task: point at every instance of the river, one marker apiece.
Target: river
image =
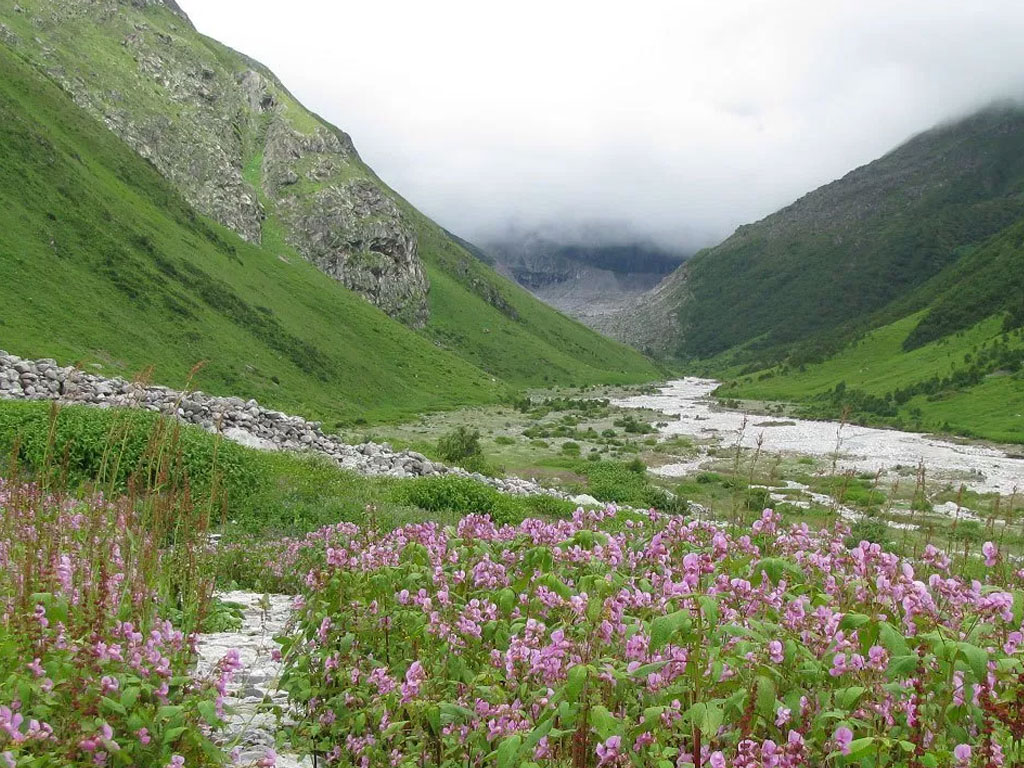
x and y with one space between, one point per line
691 411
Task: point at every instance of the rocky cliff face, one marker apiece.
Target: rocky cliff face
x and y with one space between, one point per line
347 226
229 136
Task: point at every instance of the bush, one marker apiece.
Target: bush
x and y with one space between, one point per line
570 448
459 444
449 493
113 446
868 529
757 499
626 483
505 440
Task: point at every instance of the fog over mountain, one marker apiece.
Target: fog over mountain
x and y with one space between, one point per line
678 121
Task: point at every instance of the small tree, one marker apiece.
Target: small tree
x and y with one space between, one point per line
459 444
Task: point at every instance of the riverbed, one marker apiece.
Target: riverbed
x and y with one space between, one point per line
694 413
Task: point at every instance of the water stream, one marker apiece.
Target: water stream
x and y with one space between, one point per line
694 413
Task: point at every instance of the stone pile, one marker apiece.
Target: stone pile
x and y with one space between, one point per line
243 421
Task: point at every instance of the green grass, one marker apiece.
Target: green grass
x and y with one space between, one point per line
878 364
103 263
264 493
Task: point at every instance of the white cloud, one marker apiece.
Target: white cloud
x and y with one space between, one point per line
678 118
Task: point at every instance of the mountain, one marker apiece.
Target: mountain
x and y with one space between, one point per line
895 294
808 276
591 282
164 200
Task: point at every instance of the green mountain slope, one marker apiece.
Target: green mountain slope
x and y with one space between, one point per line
892 296
813 275
102 260
952 361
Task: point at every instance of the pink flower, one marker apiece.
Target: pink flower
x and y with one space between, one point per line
609 751
717 760
775 652
842 739
991 553
962 753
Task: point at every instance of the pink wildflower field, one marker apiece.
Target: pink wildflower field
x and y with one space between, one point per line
625 639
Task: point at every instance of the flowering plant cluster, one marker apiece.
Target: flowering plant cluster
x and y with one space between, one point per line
90 673
626 639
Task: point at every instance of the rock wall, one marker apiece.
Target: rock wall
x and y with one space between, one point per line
243 421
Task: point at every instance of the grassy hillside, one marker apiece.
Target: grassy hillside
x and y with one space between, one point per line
102 261
804 280
970 382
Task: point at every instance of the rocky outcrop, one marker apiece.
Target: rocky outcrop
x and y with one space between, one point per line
346 226
243 421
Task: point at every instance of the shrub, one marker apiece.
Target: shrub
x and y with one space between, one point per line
505 440
449 493
459 444
757 499
868 529
111 446
570 448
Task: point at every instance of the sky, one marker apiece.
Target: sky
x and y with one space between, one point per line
669 120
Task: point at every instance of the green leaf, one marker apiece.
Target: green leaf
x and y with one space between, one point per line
853 621
603 722
775 568
508 751
976 658
114 706
506 601
707 716
663 627
709 607
433 715
539 733
171 734
129 696
209 712
764 702
556 585
892 640
643 671
860 747
903 666
847 698
575 679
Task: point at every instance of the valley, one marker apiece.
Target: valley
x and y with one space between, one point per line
294 475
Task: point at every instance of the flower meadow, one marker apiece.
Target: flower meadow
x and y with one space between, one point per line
624 639
93 671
